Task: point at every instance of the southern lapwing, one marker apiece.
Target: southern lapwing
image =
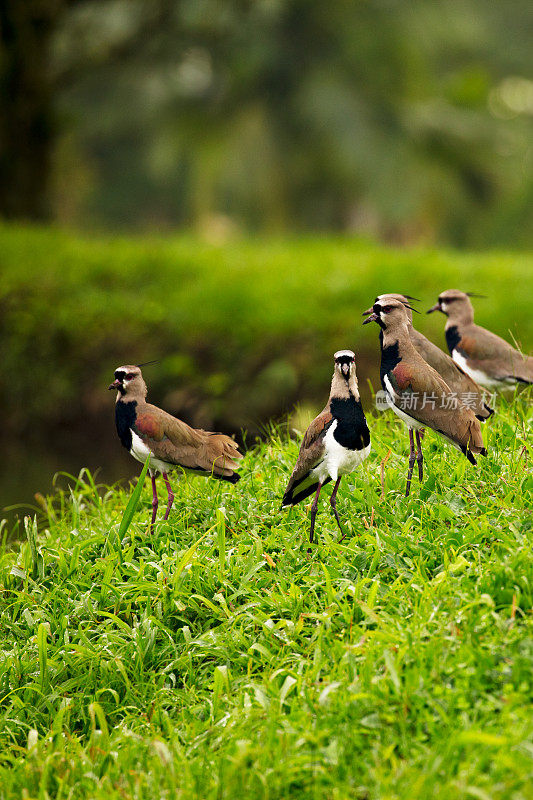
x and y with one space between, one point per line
417 393
335 443
488 359
148 431
466 389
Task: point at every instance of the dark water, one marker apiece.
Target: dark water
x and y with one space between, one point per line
38 466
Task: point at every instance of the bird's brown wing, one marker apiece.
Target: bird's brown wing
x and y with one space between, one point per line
300 484
436 406
491 354
149 427
452 375
175 442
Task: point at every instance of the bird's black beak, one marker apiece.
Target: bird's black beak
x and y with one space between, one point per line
436 307
366 313
345 369
115 385
372 318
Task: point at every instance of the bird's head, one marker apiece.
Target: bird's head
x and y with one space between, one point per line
389 313
383 298
129 383
345 363
455 304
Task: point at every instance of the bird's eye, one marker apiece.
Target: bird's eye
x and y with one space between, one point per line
130 376
387 309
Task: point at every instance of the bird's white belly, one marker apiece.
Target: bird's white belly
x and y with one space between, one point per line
141 452
338 460
411 422
478 375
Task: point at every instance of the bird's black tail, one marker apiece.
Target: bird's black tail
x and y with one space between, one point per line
234 478
300 490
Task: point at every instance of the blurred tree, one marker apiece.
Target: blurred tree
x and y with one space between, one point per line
31 81
407 121
26 128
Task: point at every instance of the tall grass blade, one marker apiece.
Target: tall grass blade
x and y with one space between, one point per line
221 538
30 526
42 632
116 541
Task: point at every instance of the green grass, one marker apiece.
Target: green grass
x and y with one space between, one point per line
216 659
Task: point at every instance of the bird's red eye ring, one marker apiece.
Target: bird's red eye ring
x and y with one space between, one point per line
387 309
130 376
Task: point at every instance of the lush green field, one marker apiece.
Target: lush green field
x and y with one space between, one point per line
216 659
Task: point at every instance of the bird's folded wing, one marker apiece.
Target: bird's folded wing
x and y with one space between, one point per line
175 442
149 426
422 393
481 345
509 365
312 447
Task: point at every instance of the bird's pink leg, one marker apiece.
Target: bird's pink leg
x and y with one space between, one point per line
170 495
155 502
313 513
411 461
333 501
419 456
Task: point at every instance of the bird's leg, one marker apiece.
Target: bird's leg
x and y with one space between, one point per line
411 462
170 495
313 513
419 457
333 501
155 501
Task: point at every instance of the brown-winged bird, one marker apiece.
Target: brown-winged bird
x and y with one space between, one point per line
458 381
417 393
148 431
335 443
486 357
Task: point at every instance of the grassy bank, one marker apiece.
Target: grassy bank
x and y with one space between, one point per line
215 659
243 330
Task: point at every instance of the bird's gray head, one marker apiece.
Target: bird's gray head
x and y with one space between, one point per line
389 313
345 363
129 382
455 304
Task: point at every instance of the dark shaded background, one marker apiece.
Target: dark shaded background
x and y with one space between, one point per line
406 121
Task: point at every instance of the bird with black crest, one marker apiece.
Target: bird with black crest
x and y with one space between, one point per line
147 431
336 442
417 393
466 389
487 358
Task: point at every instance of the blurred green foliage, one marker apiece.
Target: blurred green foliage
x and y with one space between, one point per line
409 122
244 331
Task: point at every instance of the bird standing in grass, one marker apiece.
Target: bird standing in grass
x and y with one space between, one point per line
417 393
458 381
335 443
148 431
487 358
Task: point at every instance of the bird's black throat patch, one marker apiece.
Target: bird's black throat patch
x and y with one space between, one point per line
390 358
351 430
125 416
453 337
